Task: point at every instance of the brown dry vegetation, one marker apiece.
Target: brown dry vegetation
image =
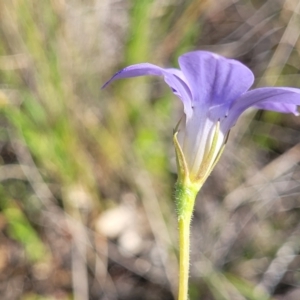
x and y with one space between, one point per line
86 175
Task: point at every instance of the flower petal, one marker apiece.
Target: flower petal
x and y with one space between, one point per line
279 99
215 81
279 107
173 77
136 70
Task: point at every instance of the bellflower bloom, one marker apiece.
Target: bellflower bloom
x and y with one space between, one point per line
214 91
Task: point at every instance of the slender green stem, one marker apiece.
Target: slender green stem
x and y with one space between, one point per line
185 197
184 255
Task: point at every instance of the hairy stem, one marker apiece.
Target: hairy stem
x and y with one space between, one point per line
185 198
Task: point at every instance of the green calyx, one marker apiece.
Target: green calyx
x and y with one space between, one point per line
185 199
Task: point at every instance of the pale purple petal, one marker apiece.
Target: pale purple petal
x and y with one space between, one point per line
279 99
178 73
279 107
215 81
173 77
137 70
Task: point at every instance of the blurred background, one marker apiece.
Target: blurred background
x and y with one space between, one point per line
87 175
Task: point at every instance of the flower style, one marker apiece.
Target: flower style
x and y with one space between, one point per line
214 91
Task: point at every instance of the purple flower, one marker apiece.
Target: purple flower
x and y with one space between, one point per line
214 91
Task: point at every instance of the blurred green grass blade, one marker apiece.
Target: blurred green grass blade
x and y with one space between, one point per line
140 24
224 286
32 296
247 289
20 229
